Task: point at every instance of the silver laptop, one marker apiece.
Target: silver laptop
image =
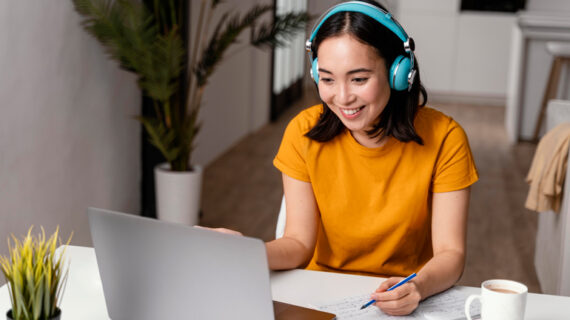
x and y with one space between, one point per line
152 269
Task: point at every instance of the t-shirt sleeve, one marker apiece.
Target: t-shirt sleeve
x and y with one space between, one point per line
455 168
291 157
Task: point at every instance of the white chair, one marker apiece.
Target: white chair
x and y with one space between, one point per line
280 228
552 250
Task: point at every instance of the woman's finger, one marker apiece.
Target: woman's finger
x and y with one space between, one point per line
388 283
222 230
400 301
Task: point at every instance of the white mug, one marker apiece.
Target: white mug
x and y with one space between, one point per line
500 300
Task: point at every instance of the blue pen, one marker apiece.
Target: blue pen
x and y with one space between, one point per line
408 278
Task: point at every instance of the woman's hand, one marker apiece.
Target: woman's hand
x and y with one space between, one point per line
398 302
222 230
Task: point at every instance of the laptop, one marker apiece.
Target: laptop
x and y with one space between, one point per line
152 269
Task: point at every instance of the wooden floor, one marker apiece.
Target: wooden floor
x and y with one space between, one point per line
242 191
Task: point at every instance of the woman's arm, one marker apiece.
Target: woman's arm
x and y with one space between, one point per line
296 247
448 229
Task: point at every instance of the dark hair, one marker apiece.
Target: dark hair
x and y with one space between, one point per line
397 118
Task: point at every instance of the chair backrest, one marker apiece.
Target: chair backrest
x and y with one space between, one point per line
558 112
280 228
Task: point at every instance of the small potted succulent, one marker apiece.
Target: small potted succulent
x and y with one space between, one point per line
35 275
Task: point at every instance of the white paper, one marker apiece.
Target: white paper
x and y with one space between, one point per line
349 308
448 305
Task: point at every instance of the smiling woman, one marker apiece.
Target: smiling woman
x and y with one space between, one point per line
375 183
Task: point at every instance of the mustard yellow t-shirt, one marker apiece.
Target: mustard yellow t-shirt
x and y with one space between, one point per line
374 203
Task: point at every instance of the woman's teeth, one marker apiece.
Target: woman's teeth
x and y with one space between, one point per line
352 111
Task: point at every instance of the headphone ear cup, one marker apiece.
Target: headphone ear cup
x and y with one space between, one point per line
399 72
315 70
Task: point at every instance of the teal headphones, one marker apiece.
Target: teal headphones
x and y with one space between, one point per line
402 71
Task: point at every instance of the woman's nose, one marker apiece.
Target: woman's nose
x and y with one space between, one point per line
344 95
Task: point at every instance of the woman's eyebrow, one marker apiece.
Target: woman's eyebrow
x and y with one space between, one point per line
359 70
349 72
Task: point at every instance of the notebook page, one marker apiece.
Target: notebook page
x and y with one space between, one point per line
349 309
448 305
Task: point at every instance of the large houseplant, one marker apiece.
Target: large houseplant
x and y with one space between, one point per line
148 40
35 275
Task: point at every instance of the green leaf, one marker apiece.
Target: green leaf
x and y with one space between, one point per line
278 32
164 65
149 43
37 297
220 42
161 137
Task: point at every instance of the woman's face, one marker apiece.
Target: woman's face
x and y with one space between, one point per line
353 82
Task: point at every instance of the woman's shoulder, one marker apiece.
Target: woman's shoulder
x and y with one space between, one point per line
435 126
429 118
431 113
307 118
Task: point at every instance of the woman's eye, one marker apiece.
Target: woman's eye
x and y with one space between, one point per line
359 80
326 80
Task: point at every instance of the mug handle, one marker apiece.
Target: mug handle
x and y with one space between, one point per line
468 304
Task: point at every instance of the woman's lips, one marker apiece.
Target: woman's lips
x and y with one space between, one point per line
351 113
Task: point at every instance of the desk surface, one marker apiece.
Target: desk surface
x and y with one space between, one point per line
83 298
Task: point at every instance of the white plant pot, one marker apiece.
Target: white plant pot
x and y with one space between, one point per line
178 194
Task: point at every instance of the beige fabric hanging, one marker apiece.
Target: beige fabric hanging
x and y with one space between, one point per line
548 170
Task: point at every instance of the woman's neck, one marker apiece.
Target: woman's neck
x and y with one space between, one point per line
365 140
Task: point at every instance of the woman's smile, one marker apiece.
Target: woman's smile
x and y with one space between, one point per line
351 113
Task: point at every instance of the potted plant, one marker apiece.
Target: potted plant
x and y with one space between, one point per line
35 276
148 41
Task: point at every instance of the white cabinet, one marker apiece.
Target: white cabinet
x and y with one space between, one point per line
433 26
483 46
460 53
530 65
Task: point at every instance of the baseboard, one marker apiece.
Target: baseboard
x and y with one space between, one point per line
445 97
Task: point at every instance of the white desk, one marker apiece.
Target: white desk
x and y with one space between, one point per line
83 298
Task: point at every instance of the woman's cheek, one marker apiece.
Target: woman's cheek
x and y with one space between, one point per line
325 93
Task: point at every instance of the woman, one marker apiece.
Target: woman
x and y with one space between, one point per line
374 182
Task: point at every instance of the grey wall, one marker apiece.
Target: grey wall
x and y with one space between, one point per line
67 137
67 140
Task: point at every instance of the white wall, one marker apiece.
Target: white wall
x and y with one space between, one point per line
463 55
236 100
67 139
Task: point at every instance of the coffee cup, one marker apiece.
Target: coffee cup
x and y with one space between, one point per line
500 300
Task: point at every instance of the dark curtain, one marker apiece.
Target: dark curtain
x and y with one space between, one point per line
493 5
150 156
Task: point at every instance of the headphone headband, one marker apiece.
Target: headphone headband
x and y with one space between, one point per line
383 17
402 71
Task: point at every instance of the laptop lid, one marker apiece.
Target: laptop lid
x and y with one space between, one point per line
152 269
